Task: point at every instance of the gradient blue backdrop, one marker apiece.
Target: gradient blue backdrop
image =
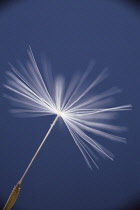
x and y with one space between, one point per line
70 34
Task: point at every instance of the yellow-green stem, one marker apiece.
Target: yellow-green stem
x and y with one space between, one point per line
15 192
43 141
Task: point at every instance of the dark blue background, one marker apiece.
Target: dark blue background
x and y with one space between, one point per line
71 33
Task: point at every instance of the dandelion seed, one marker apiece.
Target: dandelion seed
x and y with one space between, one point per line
83 114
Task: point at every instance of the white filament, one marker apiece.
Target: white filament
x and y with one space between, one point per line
82 113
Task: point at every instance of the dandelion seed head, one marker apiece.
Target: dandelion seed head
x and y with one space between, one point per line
86 116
